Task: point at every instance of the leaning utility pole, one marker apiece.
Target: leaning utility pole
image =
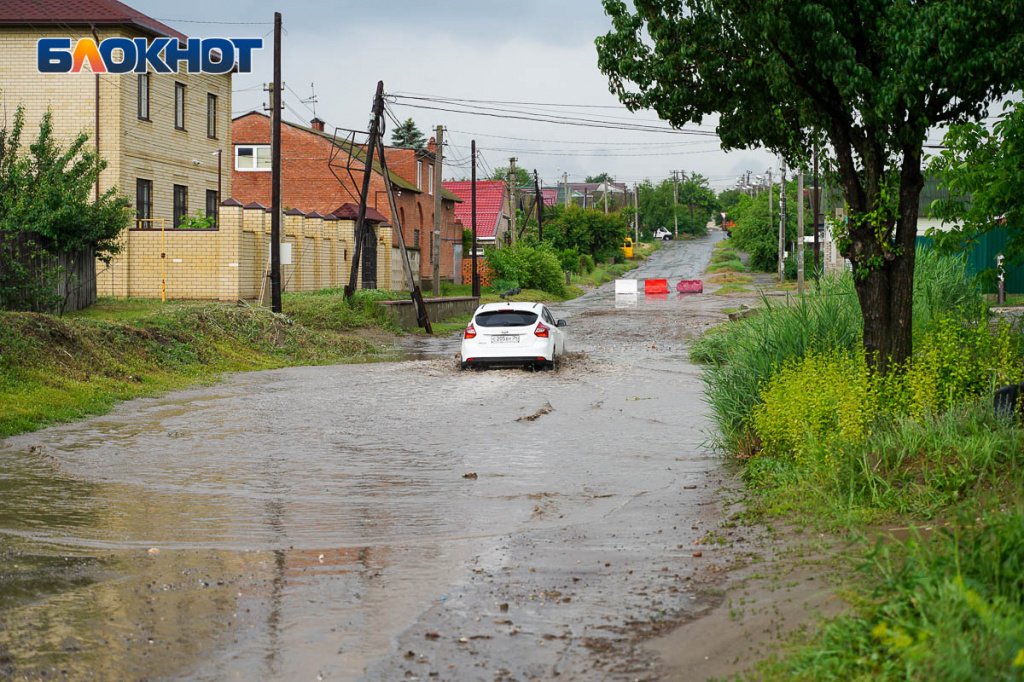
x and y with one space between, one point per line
512 195
800 231
472 208
422 318
540 206
378 112
675 200
438 156
275 173
782 217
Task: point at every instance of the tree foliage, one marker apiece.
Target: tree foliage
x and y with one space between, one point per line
523 177
408 136
984 172
588 231
46 208
600 177
757 228
659 208
867 79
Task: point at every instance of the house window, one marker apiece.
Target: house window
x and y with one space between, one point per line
252 157
143 96
416 238
211 206
419 175
179 106
211 115
180 204
430 179
143 201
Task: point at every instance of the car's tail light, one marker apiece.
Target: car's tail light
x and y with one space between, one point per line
470 332
541 330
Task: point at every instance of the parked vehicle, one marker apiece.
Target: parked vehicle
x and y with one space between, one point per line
663 233
511 334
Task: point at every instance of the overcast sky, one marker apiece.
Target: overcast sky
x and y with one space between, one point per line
527 51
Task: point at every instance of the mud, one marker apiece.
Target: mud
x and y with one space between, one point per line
401 520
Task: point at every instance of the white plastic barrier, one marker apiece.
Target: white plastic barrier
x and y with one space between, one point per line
625 286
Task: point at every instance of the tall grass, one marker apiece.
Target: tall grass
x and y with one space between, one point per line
743 355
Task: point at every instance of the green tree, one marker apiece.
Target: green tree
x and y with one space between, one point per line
600 177
659 208
523 177
407 135
984 172
588 231
863 80
46 209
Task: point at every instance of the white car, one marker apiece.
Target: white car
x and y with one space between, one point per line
513 333
663 234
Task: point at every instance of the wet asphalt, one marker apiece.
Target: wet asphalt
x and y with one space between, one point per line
391 521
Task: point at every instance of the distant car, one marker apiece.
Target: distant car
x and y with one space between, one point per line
663 234
513 334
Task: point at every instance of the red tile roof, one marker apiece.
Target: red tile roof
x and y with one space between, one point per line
490 205
80 13
350 211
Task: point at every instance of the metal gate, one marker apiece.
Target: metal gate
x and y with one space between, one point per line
369 256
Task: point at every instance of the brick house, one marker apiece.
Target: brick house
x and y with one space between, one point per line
492 212
315 176
162 135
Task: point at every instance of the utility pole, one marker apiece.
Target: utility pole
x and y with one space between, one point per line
472 208
782 217
675 200
606 195
565 183
814 210
800 232
422 318
357 250
438 157
636 213
540 206
275 173
512 195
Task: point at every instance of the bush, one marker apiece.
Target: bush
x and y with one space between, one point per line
588 264
569 259
528 267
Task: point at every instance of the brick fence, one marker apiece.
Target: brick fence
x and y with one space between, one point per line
483 270
231 261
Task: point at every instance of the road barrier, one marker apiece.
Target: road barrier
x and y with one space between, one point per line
690 286
655 286
625 286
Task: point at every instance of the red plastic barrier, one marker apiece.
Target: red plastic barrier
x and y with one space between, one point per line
655 286
690 286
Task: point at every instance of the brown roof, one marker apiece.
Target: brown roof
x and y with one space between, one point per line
80 13
350 211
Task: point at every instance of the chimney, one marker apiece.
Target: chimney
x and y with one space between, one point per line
317 124
432 145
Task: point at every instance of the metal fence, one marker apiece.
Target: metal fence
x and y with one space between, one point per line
982 256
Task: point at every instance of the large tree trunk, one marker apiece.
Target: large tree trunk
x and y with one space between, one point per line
884 279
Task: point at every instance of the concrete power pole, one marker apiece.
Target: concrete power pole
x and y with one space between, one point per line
675 200
606 188
275 173
782 217
438 159
512 196
565 183
636 213
800 232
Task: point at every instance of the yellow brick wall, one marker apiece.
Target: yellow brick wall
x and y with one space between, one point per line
152 150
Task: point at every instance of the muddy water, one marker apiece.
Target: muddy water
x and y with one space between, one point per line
376 522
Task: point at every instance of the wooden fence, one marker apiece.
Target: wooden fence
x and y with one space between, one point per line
73 274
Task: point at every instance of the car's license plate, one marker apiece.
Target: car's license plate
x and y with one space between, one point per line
505 338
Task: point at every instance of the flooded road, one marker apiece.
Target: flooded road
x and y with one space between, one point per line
378 522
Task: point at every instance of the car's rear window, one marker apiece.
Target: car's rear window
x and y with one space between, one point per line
506 318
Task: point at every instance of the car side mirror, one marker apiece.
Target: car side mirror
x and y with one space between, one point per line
561 323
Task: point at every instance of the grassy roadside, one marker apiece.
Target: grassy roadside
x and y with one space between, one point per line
916 471
56 370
